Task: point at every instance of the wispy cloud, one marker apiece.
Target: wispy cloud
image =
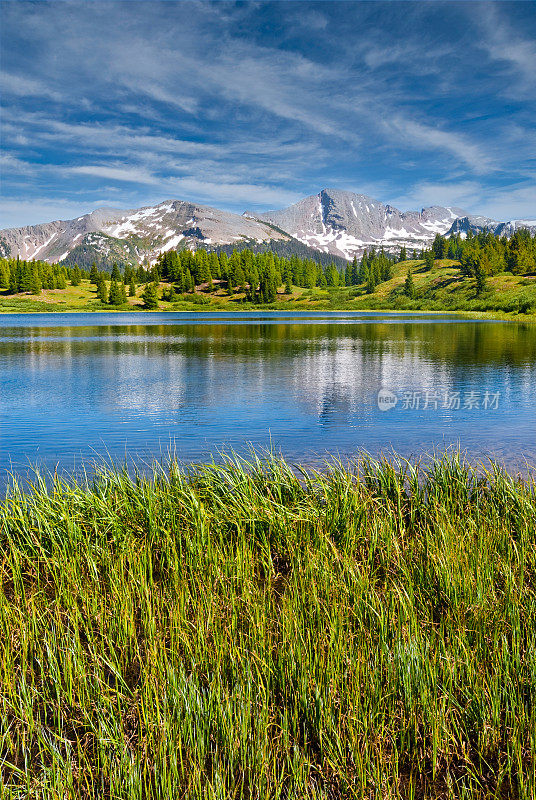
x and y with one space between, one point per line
256 104
20 86
509 47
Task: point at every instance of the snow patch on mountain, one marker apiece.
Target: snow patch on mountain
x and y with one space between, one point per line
340 223
345 223
144 232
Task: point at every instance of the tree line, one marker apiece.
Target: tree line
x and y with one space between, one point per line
480 256
259 275
17 275
490 254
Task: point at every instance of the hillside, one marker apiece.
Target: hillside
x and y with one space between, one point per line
443 288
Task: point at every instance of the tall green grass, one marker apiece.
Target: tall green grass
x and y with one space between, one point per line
249 631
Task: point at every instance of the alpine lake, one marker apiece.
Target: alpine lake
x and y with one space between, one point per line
133 388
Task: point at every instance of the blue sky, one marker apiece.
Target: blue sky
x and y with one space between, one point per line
255 105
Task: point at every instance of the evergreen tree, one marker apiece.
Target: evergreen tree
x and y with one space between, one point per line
429 259
102 289
4 275
409 286
240 279
94 274
116 275
48 279
13 287
363 275
114 297
132 288
371 282
35 285
76 276
354 273
480 277
438 246
150 296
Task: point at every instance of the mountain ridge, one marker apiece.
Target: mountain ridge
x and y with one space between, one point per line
333 223
345 223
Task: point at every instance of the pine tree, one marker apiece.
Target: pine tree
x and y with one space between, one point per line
114 297
76 276
94 274
363 274
409 286
116 275
123 293
438 246
132 288
4 275
354 273
403 254
150 296
240 279
188 282
102 289
13 287
35 285
480 276
371 282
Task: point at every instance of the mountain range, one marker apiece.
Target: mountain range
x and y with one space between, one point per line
332 224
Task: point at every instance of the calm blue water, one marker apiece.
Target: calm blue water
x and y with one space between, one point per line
81 386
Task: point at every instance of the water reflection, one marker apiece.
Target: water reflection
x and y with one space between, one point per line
307 386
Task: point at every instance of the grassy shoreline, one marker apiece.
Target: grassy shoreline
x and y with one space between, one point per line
476 315
249 631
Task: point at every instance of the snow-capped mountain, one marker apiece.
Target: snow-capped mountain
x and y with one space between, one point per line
477 224
109 234
473 223
345 224
331 224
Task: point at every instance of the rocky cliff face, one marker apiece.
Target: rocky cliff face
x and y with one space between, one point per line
477 224
345 224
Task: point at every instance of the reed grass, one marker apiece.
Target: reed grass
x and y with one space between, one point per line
249 630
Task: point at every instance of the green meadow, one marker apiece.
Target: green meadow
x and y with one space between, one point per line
443 288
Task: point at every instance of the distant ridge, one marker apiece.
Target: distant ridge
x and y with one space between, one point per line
332 224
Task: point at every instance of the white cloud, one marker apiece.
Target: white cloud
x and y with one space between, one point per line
196 100
26 87
114 173
515 201
420 135
17 212
462 194
503 44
